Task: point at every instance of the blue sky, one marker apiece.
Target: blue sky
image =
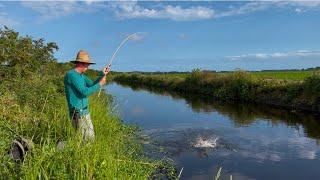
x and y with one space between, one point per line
176 36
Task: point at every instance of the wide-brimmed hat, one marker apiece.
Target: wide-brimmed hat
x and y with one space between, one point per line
82 57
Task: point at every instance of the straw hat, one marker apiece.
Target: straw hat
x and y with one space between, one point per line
83 57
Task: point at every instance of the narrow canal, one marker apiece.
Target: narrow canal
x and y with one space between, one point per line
200 135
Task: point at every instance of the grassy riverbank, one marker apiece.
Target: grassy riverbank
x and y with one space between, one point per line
289 75
236 86
33 106
114 154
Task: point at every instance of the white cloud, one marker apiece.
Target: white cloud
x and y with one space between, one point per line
261 56
298 10
182 36
300 53
301 3
244 9
299 6
90 1
134 10
57 9
52 9
296 6
138 37
131 10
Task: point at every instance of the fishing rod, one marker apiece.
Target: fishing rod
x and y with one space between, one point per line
115 53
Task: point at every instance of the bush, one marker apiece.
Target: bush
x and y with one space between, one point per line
194 78
23 56
236 86
311 85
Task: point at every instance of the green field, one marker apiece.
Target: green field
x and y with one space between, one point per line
284 75
287 75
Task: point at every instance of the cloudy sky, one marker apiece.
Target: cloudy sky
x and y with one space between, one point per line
176 36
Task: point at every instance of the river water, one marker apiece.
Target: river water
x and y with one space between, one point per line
247 141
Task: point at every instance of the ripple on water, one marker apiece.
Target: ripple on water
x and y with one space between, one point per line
174 142
206 143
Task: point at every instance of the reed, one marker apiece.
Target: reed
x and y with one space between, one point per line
33 106
42 117
236 86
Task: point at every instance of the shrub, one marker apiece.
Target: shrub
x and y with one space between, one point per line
312 85
194 78
23 56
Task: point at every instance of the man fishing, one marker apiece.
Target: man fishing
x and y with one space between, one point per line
78 87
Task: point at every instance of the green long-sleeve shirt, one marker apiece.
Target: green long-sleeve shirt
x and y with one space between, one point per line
78 87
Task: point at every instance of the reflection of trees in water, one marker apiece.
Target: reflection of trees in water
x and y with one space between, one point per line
243 114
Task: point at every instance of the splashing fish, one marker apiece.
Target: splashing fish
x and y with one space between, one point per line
206 143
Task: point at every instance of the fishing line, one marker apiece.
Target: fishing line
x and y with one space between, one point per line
115 53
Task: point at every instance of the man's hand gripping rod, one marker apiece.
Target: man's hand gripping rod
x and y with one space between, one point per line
115 53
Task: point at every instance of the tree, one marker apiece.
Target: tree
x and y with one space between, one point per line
23 56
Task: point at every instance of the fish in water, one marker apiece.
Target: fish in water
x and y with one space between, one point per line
206 143
175 142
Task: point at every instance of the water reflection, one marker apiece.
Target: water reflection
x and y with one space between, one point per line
245 114
249 141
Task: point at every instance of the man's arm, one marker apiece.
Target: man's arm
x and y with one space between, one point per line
90 83
102 75
81 87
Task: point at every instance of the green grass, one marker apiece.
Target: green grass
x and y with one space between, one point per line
33 105
241 86
182 75
283 75
115 154
286 75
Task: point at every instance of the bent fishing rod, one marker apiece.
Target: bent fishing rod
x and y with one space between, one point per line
115 53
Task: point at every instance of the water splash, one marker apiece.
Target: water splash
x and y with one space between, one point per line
206 143
173 142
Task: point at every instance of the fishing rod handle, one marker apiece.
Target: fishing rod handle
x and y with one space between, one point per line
104 75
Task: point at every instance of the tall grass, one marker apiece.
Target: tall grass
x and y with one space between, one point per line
236 86
38 111
286 75
33 106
